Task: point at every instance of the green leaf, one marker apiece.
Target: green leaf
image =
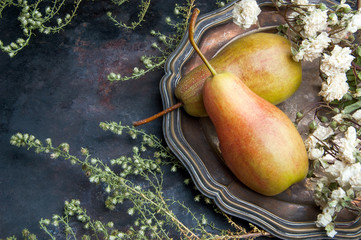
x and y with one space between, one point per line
350 108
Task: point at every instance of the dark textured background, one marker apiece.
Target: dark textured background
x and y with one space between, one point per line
57 88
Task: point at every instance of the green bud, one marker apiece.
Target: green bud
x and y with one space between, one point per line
343 128
176 11
84 151
347 97
324 119
322 6
312 125
168 20
333 124
299 115
336 110
162 38
347 9
110 224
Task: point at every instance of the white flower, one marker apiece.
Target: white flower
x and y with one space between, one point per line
342 25
355 23
338 118
331 233
333 19
355 179
339 61
315 153
320 134
350 176
328 158
335 169
357 115
324 218
334 88
300 2
312 48
347 146
315 22
343 5
245 13
338 194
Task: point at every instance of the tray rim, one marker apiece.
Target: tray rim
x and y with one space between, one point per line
178 144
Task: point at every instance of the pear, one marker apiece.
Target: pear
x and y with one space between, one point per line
262 60
258 142
256 59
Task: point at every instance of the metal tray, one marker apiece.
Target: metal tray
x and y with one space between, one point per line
289 215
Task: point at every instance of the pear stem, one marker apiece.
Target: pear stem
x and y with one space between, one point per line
155 116
192 24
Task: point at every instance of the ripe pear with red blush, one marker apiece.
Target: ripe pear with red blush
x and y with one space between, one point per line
258 142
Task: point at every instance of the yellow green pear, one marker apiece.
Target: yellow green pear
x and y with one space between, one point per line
263 61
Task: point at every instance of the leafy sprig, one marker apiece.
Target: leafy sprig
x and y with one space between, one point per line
34 19
165 44
144 5
152 209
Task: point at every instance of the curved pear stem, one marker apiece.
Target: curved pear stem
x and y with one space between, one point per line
155 116
192 24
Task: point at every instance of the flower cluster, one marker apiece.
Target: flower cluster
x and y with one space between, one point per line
321 32
327 34
315 30
338 179
35 19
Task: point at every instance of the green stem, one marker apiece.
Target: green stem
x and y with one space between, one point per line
193 43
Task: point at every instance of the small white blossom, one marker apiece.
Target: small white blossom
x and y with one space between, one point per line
331 233
245 13
333 19
338 194
315 153
355 23
335 169
347 146
339 61
325 217
335 87
338 118
343 5
350 176
355 179
312 48
321 133
327 158
315 22
300 2
357 115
